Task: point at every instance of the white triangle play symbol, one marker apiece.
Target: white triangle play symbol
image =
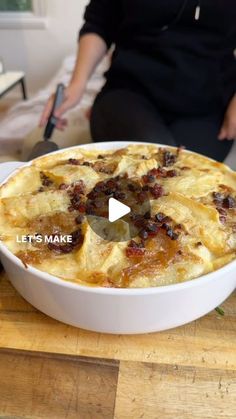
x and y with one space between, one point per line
117 210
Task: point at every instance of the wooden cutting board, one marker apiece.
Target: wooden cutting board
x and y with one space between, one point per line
51 370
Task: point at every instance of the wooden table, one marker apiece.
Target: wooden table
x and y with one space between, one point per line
51 370
9 80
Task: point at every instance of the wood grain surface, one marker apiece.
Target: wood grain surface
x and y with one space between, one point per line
51 370
148 390
209 341
37 386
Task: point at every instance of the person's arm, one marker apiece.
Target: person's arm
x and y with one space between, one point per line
228 129
91 50
99 31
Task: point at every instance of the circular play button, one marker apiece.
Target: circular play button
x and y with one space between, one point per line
117 210
115 206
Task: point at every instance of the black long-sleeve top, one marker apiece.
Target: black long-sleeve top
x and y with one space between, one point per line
184 65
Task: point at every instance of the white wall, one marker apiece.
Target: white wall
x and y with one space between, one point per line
40 52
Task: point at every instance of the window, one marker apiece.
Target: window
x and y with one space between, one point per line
16 6
22 14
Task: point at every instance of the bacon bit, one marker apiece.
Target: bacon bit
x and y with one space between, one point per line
153 172
79 187
160 217
142 197
166 219
90 210
229 202
222 219
46 181
75 201
82 208
63 187
120 195
222 211
170 233
198 244
100 187
41 189
136 245
218 198
171 173
148 178
147 215
157 191
74 162
145 178
133 188
77 239
79 219
165 226
157 172
152 227
143 234
169 158
222 201
78 190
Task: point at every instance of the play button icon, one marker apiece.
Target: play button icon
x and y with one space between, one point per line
114 206
117 210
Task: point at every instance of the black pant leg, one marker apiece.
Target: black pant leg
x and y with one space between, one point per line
121 114
200 134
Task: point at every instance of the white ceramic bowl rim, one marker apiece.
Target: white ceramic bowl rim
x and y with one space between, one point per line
103 290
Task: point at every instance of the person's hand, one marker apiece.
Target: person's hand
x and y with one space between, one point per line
72 96
228 129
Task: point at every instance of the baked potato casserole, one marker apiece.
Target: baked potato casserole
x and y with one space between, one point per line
189 228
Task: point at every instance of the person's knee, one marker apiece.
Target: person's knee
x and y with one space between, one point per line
124 115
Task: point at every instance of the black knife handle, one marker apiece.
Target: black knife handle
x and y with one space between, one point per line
52 120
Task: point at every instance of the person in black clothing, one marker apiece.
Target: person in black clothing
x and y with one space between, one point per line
172 78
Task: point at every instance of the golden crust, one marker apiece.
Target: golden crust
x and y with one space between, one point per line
37 198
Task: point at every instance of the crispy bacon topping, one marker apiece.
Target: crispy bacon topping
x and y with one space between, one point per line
74 162
157 191
46 181
158 173
135 249
229 202
76 193
223 203
77 239
169 158
151 227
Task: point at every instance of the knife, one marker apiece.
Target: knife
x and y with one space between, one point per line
46 146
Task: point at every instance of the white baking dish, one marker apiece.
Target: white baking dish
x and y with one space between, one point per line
111 310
